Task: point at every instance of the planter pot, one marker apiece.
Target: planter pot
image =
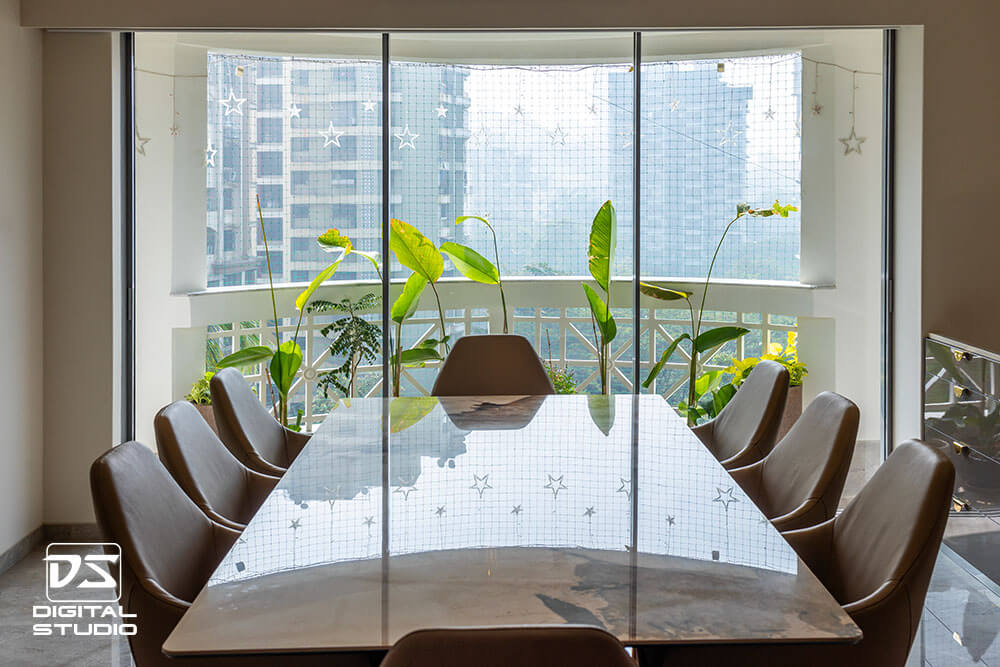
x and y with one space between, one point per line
208 414
793 410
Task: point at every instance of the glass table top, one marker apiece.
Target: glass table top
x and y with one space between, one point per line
443 512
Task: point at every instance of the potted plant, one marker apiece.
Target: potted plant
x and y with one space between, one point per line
703 341
787 356
201 398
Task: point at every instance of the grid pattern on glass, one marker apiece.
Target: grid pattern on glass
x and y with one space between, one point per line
537 149
716 133
454 488
304 135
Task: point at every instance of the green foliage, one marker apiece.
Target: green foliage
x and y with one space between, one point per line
600 261
355 339
561 377
484 263
787 356
200 393
704 402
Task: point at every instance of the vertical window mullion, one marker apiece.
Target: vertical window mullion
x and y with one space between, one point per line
386 171
636 148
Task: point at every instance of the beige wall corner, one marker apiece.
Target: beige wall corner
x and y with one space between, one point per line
21 402
79 257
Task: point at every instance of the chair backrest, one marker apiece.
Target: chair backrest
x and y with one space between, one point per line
163 535
752 418
492 365
890 534
244 424
812 460
539 646
207 471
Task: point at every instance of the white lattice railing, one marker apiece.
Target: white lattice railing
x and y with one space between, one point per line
537 306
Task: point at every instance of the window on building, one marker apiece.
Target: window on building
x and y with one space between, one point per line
229 240
269 130
269 163
274 229
269 97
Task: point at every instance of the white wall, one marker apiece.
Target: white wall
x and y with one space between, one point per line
21 404
842 224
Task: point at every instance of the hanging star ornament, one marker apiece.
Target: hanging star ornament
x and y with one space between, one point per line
674 105
589 512
517 510
769 114
209 155
558 136
368 106
140 142
331 136
852 142
670 520
626 487
481 484
294 110
725 497
728 134
441 111
440 511
405 491
555 485
406 138
519 110
369 521
816 109
295 524
233 104
592 108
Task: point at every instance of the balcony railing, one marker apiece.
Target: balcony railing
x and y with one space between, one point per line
551 312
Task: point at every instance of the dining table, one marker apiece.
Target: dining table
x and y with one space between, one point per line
428 512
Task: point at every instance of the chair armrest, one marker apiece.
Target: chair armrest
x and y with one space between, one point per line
791 521
749 478
260 466
858 607
294 442
813 545
154 588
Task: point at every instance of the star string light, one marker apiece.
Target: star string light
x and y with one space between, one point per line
852 142
294 110
555 484
481 484
140 142
406 138
209 155
233 104
331 136
558 136
441 111
368 106
816 107
726 498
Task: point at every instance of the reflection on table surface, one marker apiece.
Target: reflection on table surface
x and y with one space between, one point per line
562 509
461 477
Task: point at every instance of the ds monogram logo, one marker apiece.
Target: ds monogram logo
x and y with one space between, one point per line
72 576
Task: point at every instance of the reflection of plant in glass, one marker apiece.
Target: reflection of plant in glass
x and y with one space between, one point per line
355 339
701 342
200 393
600 259
474 266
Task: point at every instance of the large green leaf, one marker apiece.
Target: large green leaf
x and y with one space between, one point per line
248 356
605 322
371 257
417 356
406 303
603 240
333 241
321 277
415 251
663 293
462 218
664 358
708 382
722 397
717 336
471 264
405 412
284 365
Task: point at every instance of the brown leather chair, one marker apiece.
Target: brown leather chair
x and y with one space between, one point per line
541 646
876 558
747 428
492 365
799 483
222 487
248 429
169 550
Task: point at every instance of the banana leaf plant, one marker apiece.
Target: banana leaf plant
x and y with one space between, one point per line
600 259
702 341
282 361
474 266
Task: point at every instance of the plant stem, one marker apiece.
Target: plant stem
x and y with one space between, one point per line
396 366
496 253
708 278
282 400
444 331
